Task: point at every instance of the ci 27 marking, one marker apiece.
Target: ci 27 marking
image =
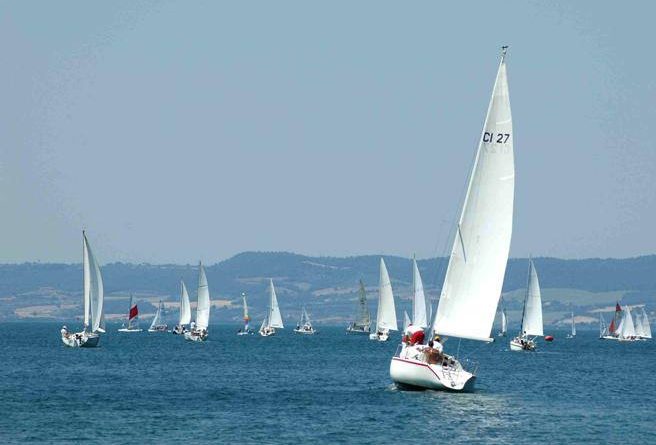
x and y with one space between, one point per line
498 138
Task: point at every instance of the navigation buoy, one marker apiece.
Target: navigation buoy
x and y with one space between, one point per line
548 338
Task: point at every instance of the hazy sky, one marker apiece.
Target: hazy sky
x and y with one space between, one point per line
178 131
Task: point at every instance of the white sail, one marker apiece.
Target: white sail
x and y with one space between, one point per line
639 330
573 326
275 319
627 329
532 319
158 316
246 317
93 288
504 321
185 307
419 317
645 324
477 265
203 305
386 318
406 321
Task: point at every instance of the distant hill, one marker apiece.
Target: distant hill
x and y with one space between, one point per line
326 284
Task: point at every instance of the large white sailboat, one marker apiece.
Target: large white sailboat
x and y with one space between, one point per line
362 322
247 329
503 319
158 325
386 318
185 311
532 325
133 318
198 330
304 326
477 265
273 318
93 297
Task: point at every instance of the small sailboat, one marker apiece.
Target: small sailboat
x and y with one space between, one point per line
157 324
503 318
246 330
304 326
362 323
610 332
185 311
386 318
573 333
532 316
93 297
646 327
477 265
273 319
198 330
626 329
133 319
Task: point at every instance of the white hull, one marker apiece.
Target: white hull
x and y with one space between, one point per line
384 336
130 330
267 332
517 345
194 336
361 331
414 373
81 340
179 330
160 328
249 332
304 332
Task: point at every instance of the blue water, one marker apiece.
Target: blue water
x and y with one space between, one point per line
330 388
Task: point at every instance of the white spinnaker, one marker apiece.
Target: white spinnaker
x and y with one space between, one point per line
93 289
406 321
474 277
419 317
158 316
645 324
532 321
203 307
275 319
386 318
185 306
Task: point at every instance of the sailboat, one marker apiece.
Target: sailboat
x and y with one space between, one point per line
185 311
646 327
362 322
532 315
626 329
386 318
273 319
93 303
133 318
198 330
474 276
610 332
157 324
573 333
504 319
246 330
304 326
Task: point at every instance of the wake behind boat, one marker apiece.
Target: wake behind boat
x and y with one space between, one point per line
532 315
133 319
362 322
477 264
386 317
93 297
198 330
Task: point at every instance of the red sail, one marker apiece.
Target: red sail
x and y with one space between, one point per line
134 312
617 307
611 328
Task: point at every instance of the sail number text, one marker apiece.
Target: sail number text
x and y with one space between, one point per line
497 138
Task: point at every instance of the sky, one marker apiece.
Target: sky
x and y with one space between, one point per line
177 131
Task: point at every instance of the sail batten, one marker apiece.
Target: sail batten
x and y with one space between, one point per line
477 264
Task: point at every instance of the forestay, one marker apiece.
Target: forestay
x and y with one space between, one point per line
477 265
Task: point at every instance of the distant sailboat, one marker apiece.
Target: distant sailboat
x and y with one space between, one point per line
532 316
93 297
610 332
185 311
477 264
157 324
362 323
198 330
626 329
246 330
646 327
503 318
386 318
573 333
133 319
304 326
273 319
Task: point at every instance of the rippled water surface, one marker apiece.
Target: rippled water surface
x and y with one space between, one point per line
329 388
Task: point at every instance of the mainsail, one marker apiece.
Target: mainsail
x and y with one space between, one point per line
626 328
185 307
386 318
477 265
532 318
203 305
275 319
133 315
363 318
93 288
247 318
419 317
573 325
504 319
646 327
